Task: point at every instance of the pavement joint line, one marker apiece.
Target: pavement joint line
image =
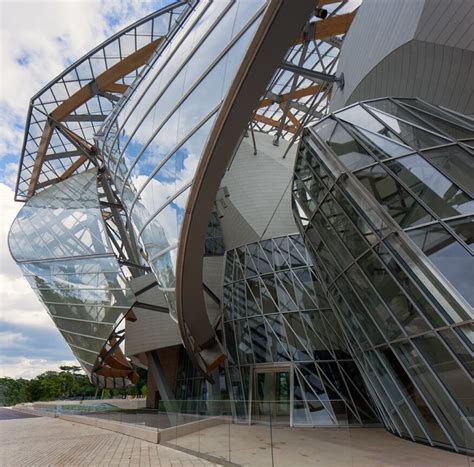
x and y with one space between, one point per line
201 455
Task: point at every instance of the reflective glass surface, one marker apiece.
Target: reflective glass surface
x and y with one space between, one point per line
58 239
404 299
276 313
80 88
154 147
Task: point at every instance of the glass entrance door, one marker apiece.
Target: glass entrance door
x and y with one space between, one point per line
272 395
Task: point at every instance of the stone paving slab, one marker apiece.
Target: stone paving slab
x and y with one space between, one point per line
42 441
316 447
8 414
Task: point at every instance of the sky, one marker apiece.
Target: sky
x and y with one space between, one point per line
38 40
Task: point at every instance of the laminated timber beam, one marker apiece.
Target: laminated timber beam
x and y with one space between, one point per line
309 91
326 2
291 116
274 123
105 82
331 26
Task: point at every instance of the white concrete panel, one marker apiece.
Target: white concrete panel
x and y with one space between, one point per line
152 330
259 205
417 48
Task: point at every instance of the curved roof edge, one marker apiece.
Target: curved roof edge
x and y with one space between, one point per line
264 55
65 114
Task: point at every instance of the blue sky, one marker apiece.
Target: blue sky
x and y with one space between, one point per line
38 40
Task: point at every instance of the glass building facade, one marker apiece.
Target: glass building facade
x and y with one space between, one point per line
82 96
383 196
365 316
59 241
153 143
278 321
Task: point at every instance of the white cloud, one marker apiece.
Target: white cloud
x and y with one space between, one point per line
8 338
19 302
29 367
41 38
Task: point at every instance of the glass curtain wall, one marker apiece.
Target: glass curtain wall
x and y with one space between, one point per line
156 140
78 80
383 195
276 313
59 242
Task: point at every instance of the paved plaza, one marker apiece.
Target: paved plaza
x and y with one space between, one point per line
41 441
27 440
317 447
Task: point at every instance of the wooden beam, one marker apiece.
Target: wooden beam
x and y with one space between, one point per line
291 116
104 82
309 91
115 87
274 123
113 372
321 3
114 363
73 167
332 26
42 148
106 79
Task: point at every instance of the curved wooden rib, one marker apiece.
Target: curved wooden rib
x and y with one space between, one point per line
332 26
272 122
309 91
280 24
106 82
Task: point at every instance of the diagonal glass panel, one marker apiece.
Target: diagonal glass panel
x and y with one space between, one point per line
348 150
413 136
59 241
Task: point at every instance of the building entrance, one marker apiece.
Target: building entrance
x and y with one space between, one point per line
272 395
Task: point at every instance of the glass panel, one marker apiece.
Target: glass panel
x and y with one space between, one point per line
381 146
413 136
423 412
449 129
448 370
459 347
396 200
59 235
350 152
325 128
392 295
429 185
357 115
343 226
409 286
448 255
456 162
436 396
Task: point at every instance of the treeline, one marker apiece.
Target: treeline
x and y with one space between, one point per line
67 383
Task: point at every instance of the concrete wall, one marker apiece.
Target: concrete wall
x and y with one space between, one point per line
410 48
259 205
152 329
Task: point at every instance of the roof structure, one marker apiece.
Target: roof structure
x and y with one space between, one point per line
301 87
66 114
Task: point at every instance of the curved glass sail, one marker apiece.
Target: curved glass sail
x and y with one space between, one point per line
82 96
382 194
153 145
59 241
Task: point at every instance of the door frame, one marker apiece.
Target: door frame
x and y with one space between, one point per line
270 368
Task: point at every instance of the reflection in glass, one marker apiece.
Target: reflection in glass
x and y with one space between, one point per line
280 316
60 244
405 311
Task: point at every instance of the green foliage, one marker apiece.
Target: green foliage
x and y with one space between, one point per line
67 383
51 385
13 391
